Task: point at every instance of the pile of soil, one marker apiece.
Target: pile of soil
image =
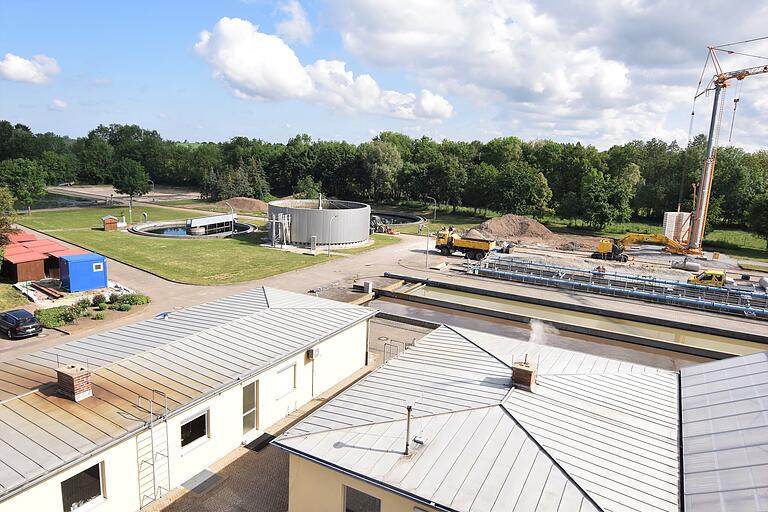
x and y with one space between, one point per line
568 246
244 203
509 227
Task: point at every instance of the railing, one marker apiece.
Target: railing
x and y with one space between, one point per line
728 300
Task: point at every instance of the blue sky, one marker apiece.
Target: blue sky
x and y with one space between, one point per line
560 70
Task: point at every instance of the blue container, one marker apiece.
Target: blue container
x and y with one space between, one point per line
83 272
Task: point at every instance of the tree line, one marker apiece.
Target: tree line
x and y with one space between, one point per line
638 179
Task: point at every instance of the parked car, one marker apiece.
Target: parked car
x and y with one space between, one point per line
19 323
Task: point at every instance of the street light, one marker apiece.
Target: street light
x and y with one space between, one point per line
426 253
434 215
329 234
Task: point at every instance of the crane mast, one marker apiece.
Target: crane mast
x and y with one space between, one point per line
719 83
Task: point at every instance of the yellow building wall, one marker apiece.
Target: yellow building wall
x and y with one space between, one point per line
320 489
119 483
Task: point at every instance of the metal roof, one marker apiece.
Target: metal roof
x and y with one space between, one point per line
598 430
189 355
725 434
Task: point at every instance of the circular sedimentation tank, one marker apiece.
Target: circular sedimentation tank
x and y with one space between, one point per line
179 229
333 222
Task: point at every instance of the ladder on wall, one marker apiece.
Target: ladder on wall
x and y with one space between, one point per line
152 451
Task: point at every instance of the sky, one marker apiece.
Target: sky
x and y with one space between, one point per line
602 73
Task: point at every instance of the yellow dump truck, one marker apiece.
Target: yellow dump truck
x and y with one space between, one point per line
449 242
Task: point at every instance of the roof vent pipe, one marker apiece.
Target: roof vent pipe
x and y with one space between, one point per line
408 409
524 374
74 382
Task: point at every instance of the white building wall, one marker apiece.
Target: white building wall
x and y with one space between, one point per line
119 484
340 356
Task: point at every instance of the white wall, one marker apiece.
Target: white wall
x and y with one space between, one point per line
341 355
119 481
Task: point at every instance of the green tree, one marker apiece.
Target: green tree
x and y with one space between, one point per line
758 217
95 157
480 189
501 151
130 178
307 188
522 190
59 167
24 178
7 214
378 165
596 192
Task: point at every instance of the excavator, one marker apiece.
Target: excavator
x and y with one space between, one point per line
613 248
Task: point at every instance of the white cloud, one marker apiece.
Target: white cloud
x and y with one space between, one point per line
262 66
37 70
58 104
296 26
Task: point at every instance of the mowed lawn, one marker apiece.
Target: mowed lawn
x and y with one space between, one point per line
208 262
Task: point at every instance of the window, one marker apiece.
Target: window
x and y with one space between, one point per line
285 382
358 501
250 406
194 429
82 488
98 267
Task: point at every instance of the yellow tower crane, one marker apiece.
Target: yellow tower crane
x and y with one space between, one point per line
719 82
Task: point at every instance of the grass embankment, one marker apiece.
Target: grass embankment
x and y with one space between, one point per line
199 204
379 240
10 297
214 261
734 242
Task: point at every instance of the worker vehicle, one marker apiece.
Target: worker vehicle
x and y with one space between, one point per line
613 249
449 242
711 278
19 323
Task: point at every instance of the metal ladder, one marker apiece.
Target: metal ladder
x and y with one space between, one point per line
152 451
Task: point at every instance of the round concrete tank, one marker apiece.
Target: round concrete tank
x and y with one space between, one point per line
333 222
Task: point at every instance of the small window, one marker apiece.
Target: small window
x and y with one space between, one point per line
285 382
98 267
194 429
358 501
82 488
250 406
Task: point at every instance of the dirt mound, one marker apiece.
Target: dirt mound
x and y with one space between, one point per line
509 227
245 203
568 246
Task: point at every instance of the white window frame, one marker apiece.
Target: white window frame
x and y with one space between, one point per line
98 267
280 393
96 500
201 440
255 409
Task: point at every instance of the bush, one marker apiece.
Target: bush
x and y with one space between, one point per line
58 316
135 299
99 298
114 305
124 307
99 315
102 306
114 297
83 303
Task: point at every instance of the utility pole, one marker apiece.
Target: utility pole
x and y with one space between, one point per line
426 253
434 215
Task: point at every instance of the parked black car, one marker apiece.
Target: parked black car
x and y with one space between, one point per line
19 323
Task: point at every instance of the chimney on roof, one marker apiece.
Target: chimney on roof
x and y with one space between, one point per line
74 382
524 374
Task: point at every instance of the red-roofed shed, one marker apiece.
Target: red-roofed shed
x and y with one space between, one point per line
21 236
25 266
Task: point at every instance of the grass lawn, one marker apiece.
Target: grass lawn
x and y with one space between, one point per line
214 261
198 204
10 297
379 240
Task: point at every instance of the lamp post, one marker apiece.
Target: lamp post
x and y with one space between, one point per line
434 215
426 253
329 234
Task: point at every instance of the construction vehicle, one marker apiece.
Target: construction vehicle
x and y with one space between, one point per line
449 242
613 249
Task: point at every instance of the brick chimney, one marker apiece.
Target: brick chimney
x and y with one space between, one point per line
74 382
524 374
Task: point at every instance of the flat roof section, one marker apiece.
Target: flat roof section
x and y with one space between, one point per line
725 435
